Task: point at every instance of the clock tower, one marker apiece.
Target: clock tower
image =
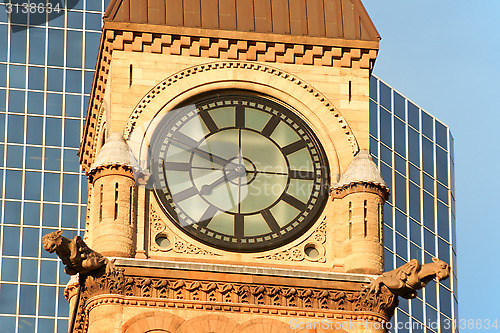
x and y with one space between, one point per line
226 147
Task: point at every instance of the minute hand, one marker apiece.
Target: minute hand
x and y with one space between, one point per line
206 155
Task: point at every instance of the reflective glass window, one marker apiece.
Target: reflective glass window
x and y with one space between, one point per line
92 40
388 262
429 242
415 232
388 232
62 326
385 154
400 164
50 217
441 135
431 315
427 125
32 185
429 211
443 221
31 214
36 78
73 106
70 161
415 252
51 187
399 137
3 75
8 299
388 211
16 101
75 4
48 270
414 173
13 184
10 241
414 201
69 216
35 102
374 149
385 96
29 270
52 159
27 300
373 88
428 156
2 130
54 104
54 79
9 268
386 173
47 301
15 129
72 133
93 21
399 106
19 15
46 325
73 81
70 188
442 193
31 242
3 41
56 19
401 222
53 132
62 311
12 212
17 76
34 132
75 20
56 47
2 100
414 146
385 127
14 156
89 77
74 48
373 118
441 166
444 250
401 246
400 191
445 301
18 45
36 17
428 183
37 46
413 115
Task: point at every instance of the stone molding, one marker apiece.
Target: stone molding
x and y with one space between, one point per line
360 187
115 287
297 253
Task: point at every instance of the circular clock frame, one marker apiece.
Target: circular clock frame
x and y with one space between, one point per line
206 164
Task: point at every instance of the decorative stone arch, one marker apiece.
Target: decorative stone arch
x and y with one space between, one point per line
210 323
314 108
263 325
153 322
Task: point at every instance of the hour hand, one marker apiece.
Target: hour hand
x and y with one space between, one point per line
235 173
188 145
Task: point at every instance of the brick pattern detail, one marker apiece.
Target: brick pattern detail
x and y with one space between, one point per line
216 48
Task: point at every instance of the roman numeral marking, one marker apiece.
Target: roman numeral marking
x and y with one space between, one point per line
298 174
293 147
207 216
270 126
293 201
176 166
240 116
183 195
209 121
270 220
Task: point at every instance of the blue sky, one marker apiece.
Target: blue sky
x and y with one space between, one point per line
445 56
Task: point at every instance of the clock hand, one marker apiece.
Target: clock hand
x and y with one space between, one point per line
235 173
202 153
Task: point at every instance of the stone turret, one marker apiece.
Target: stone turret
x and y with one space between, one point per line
113 202
362 193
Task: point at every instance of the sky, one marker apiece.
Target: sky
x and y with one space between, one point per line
445 56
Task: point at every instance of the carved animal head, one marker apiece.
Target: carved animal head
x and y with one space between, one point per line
52 241
441 269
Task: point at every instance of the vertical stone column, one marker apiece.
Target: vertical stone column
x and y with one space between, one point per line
362 193
113 203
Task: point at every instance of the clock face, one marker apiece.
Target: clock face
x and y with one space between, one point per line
239 172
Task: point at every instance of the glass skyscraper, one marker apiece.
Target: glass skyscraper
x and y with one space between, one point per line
47 59
414 152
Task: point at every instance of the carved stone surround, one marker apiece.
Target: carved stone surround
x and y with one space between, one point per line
294 298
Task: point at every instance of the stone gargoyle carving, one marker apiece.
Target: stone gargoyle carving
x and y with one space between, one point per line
75 254
404 281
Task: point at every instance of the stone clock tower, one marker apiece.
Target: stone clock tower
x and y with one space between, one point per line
226 147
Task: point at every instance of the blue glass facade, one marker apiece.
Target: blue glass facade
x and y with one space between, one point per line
47 57
414 152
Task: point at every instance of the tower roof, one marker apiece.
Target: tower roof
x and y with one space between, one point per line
114 152
340 19
361 169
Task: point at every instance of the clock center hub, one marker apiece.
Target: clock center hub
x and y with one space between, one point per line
240 171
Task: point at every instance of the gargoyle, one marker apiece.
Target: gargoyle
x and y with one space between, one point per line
404 281
75 254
